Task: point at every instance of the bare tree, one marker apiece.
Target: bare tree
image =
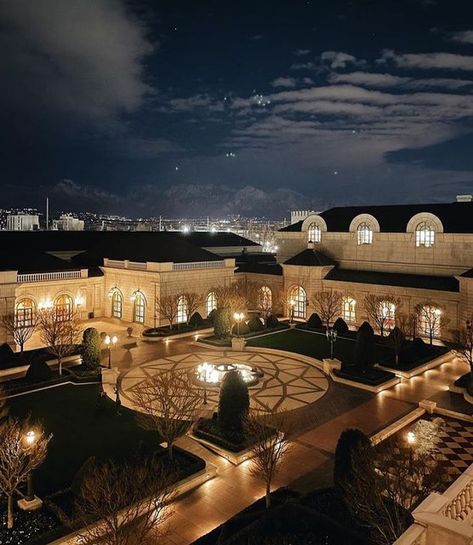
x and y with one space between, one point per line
238 296
168 402
167 306
18 458
269 448
377 307
59 334
464 344
125 504
194 301
19 332
431 316
328 305
407 323
3 405
264 300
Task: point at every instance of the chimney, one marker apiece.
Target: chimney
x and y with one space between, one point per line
464 198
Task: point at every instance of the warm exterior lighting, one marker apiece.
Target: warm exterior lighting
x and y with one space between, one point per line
238 316
411 437
110 341
47 304
30 438
79 301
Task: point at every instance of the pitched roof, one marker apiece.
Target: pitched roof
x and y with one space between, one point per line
293 227
260 268
456 217
467 274
208 239
441 283
310 258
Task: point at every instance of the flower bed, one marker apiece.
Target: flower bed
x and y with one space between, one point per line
371 376
10 359
178 329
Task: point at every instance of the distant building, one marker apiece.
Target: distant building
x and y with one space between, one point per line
68 223
300 215
22 222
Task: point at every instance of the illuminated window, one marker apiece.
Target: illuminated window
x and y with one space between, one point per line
425 234
211 302
365 233
349 309
117 304
265 297
388 312
139 308
314 233
298 302
25 310
430 321
182 310
63 307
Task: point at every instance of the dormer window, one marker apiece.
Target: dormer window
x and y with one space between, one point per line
425 234
314 233
364 233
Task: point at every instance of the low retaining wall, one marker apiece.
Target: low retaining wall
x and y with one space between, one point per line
158 338
431 364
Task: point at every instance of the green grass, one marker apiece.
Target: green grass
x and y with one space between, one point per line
80 430
314 345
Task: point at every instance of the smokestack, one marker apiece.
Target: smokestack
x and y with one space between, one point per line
47 213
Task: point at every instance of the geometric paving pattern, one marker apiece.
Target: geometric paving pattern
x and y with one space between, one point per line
287 382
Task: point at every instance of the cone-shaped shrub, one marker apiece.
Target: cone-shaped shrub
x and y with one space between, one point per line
340 326
91 350
234 402
314 322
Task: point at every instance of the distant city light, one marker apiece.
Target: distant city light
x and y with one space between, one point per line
186 229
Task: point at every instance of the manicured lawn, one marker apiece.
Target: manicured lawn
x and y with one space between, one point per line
80 430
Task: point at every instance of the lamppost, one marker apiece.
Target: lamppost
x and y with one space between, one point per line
110 341
30 440
203 371
238 317
292 307
331 335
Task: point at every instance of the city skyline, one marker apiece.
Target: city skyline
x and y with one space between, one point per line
138 109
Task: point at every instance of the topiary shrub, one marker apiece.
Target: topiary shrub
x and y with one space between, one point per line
314 322
38 371
272 321
340 326
365 347
222 323
196 320
243 330
234 402
91 349
255 324
352 444
211 315
6 354
418 346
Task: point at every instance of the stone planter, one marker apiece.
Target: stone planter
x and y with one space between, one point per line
329 365
238 343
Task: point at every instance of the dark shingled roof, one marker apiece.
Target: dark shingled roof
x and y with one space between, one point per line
207 239
260 268
467 274
441 283
310 258
32 250
293 228
456 217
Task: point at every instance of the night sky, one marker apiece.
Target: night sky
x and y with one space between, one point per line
212 107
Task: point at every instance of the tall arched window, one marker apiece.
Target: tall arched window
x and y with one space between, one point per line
117 304
364 233
314 233
349 309
211 302
139 308
425 234
63 307
388 312
25 313
265 298
182 310
298 302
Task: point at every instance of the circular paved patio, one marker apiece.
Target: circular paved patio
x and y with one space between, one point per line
288 382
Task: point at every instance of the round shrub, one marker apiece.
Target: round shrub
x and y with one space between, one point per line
255 324
314 321
38 371
91 349
272 321
352 444
222 323
340 326
234 402
244 329
196 320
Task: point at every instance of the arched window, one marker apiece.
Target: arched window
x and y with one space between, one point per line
349 309
63 307
139 308
425 234
298 302
364 233
265 298
388 311
25 313
211 302
314 233
430 320
117 304
182 310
